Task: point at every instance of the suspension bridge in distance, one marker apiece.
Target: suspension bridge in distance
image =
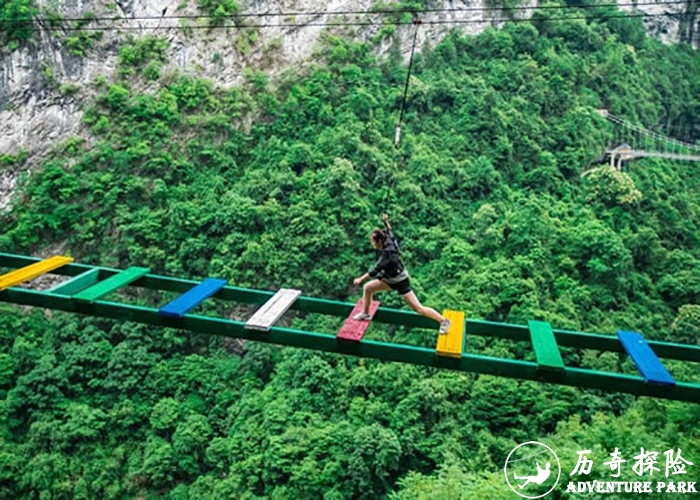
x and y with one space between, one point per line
86 287
634 142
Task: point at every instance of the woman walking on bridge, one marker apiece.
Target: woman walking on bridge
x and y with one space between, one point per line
389 273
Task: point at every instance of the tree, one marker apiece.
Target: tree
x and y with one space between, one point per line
374 461
17 24
686 325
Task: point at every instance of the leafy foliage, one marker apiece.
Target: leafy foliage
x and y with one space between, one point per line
146 54
272 186
16 22
220 10
81 40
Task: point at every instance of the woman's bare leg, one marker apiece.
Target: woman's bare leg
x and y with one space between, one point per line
370 288
431 313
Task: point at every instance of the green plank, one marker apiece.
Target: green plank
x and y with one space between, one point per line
76 284
546 348
111 284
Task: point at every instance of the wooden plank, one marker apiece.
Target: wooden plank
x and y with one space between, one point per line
178 307
76 283
644 358
545 346
451 343
354 330
32 271
273 309
111 284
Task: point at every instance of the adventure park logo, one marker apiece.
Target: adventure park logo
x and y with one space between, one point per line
533 470
523 469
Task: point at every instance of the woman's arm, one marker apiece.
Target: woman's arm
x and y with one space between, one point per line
358 281
389 232
385 218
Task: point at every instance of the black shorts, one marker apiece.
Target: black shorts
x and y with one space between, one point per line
403 286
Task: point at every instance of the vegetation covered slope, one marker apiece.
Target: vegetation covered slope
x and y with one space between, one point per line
274 186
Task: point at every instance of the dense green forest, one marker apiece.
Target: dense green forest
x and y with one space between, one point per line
274 184
16 22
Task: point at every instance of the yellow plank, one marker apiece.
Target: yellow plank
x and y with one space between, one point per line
450 344
32 271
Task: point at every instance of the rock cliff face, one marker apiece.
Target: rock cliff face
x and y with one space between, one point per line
43 84
673 22
38 106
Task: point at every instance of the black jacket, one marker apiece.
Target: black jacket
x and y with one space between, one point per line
388 265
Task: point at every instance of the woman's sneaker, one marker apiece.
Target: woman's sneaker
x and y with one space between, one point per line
362 317
445 326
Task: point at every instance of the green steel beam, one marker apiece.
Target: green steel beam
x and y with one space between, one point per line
564 338
523 370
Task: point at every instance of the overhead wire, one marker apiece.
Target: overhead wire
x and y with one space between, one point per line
55 24
414 12
345 23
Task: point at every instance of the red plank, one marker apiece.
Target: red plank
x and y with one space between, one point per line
353 329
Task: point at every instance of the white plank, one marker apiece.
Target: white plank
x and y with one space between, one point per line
273 309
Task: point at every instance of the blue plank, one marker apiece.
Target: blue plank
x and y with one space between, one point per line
644 358
192 298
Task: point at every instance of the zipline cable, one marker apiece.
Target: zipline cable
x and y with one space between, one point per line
397 136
